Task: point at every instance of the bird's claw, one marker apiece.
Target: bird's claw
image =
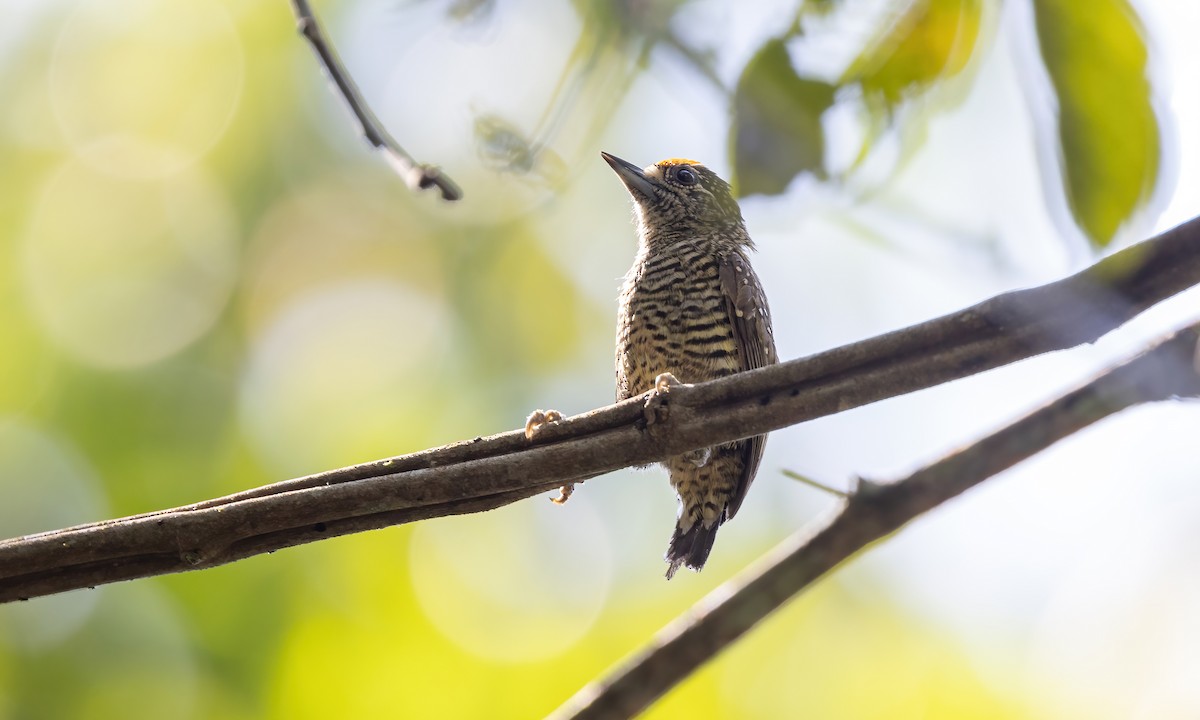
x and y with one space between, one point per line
665 381
655 409
539 419
564 494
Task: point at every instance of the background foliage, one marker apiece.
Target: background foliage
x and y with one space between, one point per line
209 284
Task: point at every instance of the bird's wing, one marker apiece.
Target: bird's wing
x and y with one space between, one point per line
751 319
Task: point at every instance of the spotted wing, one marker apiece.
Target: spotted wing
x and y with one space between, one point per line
751 319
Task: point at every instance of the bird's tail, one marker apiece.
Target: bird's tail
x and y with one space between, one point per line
690 548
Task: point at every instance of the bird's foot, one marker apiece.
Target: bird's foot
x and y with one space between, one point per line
665 381
655 409
539 419
564 494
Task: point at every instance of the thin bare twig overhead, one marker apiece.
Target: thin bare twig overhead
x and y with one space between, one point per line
418 176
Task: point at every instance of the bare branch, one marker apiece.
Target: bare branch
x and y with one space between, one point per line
485 473
415 175
1165 371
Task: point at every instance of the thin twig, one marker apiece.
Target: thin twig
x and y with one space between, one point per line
485 473
416 175
1163 372
815 484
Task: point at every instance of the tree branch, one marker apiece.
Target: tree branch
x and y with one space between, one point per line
875 511
483 473
415 175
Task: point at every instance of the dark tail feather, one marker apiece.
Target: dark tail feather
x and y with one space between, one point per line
690 548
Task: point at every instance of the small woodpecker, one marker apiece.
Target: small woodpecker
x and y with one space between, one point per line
691 309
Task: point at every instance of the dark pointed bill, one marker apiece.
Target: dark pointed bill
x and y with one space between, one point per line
633 177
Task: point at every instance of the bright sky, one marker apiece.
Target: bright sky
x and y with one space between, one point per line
1173 23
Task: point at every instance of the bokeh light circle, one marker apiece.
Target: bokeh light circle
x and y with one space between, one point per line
519 584
142 88
124 272
342 373
340 228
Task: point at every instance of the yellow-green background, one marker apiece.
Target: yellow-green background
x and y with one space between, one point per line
208 283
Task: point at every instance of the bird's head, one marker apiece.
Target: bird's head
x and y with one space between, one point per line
678 195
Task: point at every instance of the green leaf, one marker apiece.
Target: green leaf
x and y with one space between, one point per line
931 39
776 132
1095 53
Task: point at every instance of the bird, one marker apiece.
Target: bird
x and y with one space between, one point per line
691 309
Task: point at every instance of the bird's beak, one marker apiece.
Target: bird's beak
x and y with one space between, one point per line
635 180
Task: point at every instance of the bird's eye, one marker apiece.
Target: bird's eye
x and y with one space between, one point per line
685 176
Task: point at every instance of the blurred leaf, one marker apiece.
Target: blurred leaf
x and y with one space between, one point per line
930 39
470 10
776 132
922 44
1096 56
817 8
504 148
637 18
